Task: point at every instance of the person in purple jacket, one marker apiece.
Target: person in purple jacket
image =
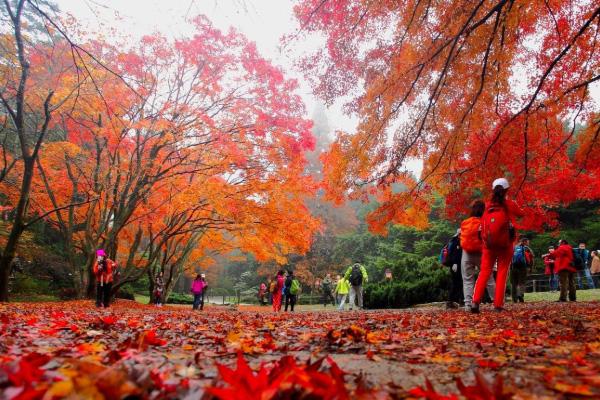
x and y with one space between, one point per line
197 289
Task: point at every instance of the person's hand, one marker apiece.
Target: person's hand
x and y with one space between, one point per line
454 267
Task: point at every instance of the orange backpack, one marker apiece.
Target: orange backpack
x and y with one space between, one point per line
469 235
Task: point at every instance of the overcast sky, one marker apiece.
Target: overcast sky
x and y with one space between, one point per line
262 21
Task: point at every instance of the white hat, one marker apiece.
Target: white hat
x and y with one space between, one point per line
501 182
202 276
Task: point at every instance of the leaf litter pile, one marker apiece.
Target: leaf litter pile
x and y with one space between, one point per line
72 350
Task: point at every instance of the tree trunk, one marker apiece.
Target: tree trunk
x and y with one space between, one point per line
17 229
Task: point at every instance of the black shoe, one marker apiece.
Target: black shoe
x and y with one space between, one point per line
522 299
451 304
499 309
475 309
561 301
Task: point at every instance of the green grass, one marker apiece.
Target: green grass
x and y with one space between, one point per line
142 298
582 295
32 298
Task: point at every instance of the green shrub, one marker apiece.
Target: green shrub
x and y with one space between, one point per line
399 294
125 292
27 284
179 298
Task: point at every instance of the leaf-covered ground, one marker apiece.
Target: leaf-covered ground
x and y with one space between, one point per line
72 350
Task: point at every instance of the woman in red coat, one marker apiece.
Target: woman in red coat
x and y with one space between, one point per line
563 265
103 270
278 292
498 242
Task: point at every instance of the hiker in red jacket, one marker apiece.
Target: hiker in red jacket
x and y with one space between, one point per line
103 270
278 293
498 236
563 265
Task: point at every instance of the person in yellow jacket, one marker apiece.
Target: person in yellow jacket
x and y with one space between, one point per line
342 289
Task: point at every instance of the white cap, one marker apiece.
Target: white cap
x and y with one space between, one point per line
203 276
501 182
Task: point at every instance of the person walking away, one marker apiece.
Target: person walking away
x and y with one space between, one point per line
103 271
262 290
522 263
342 289
451 257
563 261
277 294
197 290
159 287
549 269
471 245
498 236
581 261
356 275
291 288
327 288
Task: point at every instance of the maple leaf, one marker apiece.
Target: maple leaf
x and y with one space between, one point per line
484 390
430 393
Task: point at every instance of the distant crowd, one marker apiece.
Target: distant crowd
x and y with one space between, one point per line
285 287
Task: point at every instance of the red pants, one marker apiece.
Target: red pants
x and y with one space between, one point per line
488 259
277 301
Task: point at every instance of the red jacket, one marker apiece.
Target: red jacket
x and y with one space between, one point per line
563 258
106 275
549 263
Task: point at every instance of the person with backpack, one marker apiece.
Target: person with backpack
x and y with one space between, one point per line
356 276
198 286
470 261
451 257
550 270
291 290
277 290
581 261
563 262
103 271
498 237
327 289
522 263
159 287
342 289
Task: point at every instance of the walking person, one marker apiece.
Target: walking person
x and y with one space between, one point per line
498 236
262 290
327 289
522 263
451 257
204 290
342 289
291 289
470 262
271 287
595 269
581 261
197 291
550 270
356 275
277 291
159 286
563 261
336 294
103 271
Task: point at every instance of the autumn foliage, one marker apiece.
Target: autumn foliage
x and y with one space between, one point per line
64 349
476 90
164 152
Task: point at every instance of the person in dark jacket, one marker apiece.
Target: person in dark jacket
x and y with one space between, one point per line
290 298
